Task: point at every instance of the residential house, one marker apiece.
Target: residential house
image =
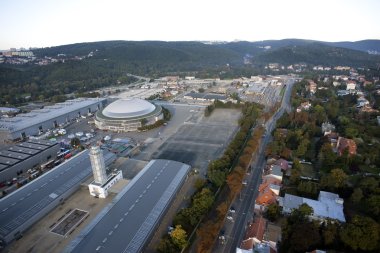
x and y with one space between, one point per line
283 164
305 106
254 238
312 87
327 128
269 189
344 143
351 85
328 206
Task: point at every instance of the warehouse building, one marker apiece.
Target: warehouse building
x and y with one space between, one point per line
22 208
128 114
23 156
50 117
130 221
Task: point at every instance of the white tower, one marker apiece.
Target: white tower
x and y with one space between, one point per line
98 165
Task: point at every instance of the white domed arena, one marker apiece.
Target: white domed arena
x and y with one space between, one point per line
125 115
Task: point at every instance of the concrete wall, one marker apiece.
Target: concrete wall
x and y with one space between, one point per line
29 163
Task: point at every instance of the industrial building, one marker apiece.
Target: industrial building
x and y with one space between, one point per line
50 117
128 114
129 222
22 208
23 156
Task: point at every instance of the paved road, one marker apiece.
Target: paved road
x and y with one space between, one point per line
23 205
128 223
234 231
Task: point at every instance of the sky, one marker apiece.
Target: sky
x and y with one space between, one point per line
44 23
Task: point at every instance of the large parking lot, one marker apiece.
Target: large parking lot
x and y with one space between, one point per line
200 139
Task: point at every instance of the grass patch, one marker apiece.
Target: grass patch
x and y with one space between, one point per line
307 170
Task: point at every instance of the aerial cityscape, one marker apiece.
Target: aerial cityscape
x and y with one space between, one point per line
197 127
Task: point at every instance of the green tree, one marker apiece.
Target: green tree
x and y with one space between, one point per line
335 179
357 195
166 246
75 142
373 204
330 233
179 237
217 177
362 233
273 212
305 236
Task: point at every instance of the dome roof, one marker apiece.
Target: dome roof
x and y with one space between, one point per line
128 107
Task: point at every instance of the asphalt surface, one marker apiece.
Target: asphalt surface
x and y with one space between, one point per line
20 206
126 225
235 230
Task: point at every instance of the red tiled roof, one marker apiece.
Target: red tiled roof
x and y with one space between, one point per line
344 143
247 244
256 229
282 163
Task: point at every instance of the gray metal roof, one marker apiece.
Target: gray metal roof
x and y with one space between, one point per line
25 120
8 161
3 167
22 205
128 223
15 155
23 150
32 146
43 142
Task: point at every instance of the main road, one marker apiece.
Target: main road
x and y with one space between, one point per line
235 230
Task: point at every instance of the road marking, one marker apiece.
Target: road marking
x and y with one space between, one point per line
35 190
43 185
115 227
125 214
144 191
29 194
110 233
121 220
104 240
149 185
5 209
137 200
14 203
22 198
140 195
131 207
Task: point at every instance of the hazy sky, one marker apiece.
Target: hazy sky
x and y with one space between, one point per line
41 23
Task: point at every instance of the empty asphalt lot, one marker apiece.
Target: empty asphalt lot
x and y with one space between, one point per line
200 139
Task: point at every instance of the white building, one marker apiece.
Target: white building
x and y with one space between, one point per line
328 206
99 187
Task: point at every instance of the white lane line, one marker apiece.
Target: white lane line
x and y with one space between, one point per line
115 227
14 203
110 233
140 195
121 220
29 194
35 190
149 185
144 191
104 240
125 214
5 209
22 198
137 200
43 185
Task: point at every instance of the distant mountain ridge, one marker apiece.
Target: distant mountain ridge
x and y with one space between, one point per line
194 54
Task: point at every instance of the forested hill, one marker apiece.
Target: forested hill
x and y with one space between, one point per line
86 66
187 56
317 54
